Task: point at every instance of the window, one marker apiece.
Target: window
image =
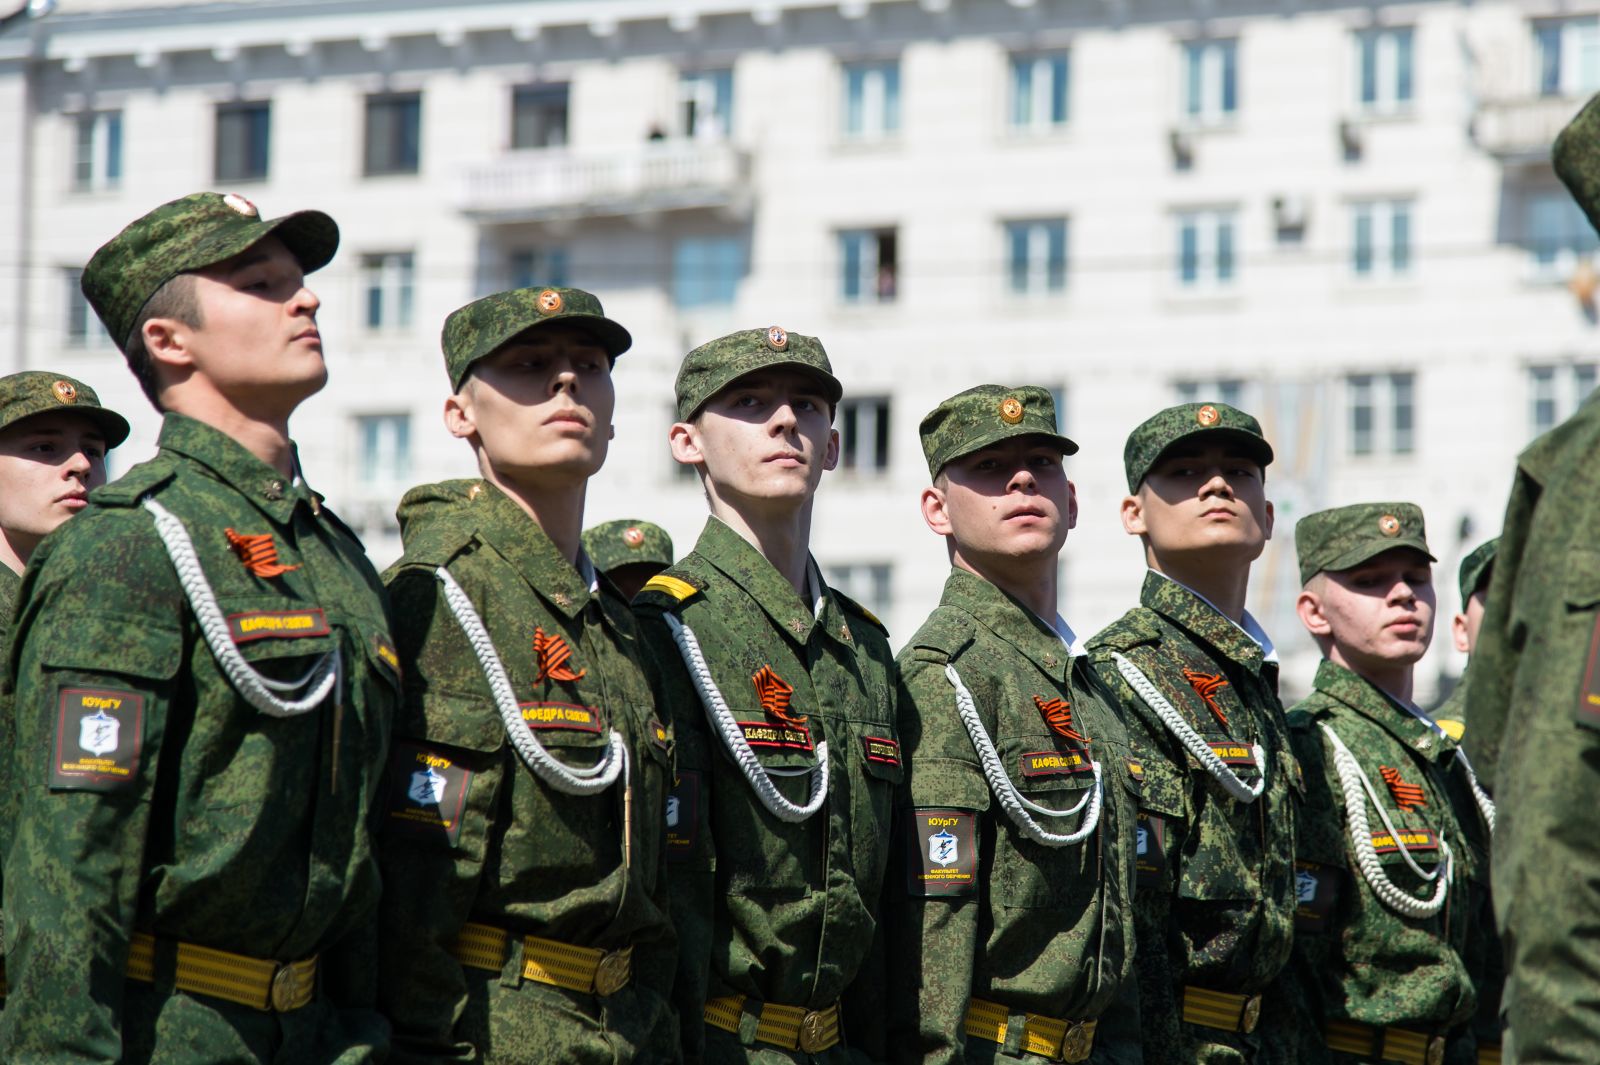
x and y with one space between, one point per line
1380 239
1039 92
1036 256
1555 392
83 326
706 271
705 104
388 280
394 133
243 141
864 435
869 265
539 116
1210 80
1569 56
1557 235
385 444
1205 248
1383 413
1383 74
1229 390
869 584
536 267
97 151
871 100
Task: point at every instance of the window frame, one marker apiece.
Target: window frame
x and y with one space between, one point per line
402 157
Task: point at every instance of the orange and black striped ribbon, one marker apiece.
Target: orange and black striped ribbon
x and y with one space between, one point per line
1407 796
551 652
775 693
1058 715
258 553
1206 685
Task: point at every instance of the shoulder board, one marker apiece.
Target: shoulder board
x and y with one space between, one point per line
127 490
1453 727
438 546
857 609
1135 627
667 591
947 632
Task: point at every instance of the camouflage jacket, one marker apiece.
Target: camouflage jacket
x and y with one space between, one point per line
783 912
1360 959
997 915
10 585
148 796
1215 900
495 844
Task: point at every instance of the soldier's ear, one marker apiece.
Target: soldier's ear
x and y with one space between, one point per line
166 341
935 513
1308 605
1133 516
458 414
830 459
1272 516
684 440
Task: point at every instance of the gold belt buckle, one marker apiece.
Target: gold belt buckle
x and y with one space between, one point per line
612 974
1075 1044
285 988
1251 1015
813 1032
1435 1052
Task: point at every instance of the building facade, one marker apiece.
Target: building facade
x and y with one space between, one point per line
1339 216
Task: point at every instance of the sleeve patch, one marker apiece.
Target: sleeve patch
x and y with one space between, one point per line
1316 892
99 735
279 625
539 715
1150 854
659 735
881 749
386 653
944 852
427 793
683 815
1588 709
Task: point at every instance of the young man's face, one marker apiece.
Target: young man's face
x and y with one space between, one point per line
48 464
1202 499
1464 626
257 340
765 439
1011 500
542 404
1379 614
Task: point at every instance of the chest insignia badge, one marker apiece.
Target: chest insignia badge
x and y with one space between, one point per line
552 655
258 553
1058 715
775 693
1406 796
1206 685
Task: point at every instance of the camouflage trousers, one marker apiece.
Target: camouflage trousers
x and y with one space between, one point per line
168 1027
523 1022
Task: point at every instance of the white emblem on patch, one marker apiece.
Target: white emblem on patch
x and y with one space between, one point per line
944 848
1305 885
1144 840
97 733
673 805
427 787
240 204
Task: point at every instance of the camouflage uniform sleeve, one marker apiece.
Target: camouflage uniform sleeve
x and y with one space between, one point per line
931 939
1321 883
430 881
98 645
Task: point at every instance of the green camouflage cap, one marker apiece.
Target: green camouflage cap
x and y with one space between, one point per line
716 364
626 541
1476 569
1167 428
23 395
186 235
972 420
484 326
1330 541
1576 156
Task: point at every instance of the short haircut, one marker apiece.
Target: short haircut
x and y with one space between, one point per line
177 300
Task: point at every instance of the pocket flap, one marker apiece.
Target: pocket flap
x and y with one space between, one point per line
949 782
1581 580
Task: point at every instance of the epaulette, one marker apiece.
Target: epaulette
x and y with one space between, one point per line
127 490
946 632
669 590
1453 727
1137 626
857 609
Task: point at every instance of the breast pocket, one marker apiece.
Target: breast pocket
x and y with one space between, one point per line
1057 777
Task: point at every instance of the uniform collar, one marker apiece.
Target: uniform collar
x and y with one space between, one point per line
1247 643
499 522
10 586
1009 620
738 560
273 493
1406 724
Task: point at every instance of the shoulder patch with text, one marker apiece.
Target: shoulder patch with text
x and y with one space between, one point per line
882 749
386 653
683 815
1055 763
278 625
542 715
944 852
427 792
99 735
1316 888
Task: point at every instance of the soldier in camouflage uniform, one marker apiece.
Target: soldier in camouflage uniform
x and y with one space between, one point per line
1393 928
54 435
628 551
783 706
524 909
1473 579
1196 679
1533 711
1015 844
204 686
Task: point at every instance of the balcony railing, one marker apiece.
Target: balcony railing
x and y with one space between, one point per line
1523 129
553 183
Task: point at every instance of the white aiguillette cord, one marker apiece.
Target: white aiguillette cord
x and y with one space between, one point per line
1015 806
1191 740
564 778
1353 781
260 692
727 727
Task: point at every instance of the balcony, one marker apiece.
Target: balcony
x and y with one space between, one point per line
1523 130
549 184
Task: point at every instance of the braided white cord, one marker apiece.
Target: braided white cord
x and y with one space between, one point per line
1191 740
722 720
571 780
1353 780
1016 806
258 691
1481 797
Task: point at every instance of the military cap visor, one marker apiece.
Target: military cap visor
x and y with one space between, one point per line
1476 569
484 326
186 235
35 393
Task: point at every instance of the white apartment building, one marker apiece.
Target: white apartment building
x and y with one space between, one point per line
1340 216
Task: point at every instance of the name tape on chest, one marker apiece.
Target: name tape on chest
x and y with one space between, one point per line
1316 892
1232 752
1414 840
944 852
882 749
99 736
775 736
1055 763
548 715
279 625
683 815
427 793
